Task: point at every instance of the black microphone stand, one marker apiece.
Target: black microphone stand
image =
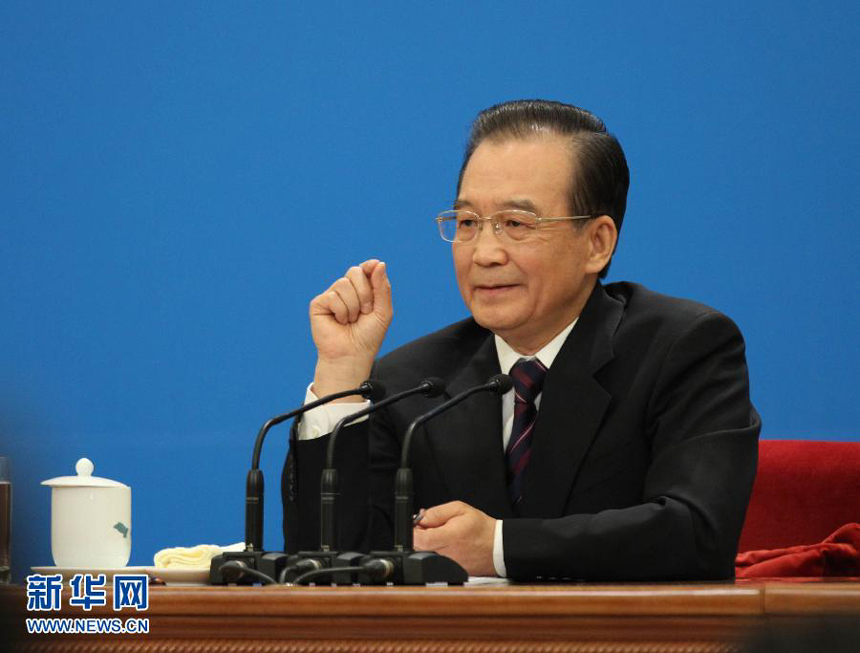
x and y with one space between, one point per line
253 557
412 567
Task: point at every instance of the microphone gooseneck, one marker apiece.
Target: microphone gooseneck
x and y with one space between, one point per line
370 389
429 387
499 384
254 486
403 485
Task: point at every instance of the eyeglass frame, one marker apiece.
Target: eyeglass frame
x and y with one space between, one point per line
497 226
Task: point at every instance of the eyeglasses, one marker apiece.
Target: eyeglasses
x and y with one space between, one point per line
462 226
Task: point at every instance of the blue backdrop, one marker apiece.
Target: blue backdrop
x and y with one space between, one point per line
177 180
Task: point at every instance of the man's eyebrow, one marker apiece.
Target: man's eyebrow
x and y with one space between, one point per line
521 204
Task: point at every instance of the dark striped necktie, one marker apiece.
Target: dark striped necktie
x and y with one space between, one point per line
528 376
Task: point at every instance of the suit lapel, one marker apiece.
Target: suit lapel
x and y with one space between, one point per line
467 440
571 409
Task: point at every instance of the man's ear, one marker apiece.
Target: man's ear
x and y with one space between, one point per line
602 236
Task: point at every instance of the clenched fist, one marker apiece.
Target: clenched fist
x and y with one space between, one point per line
348 325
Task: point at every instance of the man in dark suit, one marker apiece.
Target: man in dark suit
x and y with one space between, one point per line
627 449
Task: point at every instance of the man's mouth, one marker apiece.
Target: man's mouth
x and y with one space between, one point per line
494 288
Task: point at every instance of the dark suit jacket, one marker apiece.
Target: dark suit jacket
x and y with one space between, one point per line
643 456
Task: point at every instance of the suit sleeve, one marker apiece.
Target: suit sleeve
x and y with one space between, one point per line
703 434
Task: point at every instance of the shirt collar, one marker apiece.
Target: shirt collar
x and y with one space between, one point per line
546 355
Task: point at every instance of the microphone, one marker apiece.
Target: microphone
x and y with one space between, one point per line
403 486
422 567
329 491
254 487
372 390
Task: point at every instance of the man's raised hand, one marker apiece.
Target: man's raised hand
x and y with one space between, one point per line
348 324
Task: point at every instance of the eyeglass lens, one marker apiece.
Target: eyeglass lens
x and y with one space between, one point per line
457 226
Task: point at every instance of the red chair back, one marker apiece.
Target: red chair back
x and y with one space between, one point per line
804 491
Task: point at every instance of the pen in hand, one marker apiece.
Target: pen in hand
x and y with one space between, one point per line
416 519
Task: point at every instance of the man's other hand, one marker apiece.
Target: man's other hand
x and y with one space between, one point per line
461 532
348 325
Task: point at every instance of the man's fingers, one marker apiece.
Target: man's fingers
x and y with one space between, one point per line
333 302
381 289
368 266
349 296
361 282
429 540
439 515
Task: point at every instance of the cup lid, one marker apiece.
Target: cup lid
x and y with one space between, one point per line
84 467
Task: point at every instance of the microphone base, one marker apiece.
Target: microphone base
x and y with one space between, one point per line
417 568
327 559
410 567
270 563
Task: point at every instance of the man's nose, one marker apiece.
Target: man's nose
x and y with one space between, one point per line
488 246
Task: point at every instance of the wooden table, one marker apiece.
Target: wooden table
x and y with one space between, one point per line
588 617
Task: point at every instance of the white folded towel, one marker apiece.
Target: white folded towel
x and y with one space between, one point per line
195 557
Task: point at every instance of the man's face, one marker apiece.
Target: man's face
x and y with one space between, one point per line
526 292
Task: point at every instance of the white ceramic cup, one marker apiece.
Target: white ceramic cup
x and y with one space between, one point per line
90 520
91 526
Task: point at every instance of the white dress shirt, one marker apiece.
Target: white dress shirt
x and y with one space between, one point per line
322 420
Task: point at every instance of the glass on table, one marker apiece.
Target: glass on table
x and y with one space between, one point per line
5 520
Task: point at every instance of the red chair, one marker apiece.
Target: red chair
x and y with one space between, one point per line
804 491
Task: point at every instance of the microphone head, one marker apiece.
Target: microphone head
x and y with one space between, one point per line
501 383
372 389
433 386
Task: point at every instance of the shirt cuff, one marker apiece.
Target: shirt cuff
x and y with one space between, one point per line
321 420
499 551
